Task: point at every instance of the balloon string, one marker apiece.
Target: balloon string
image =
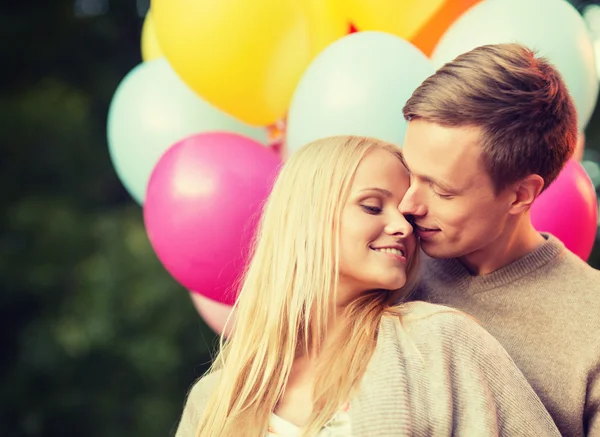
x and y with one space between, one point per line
276 136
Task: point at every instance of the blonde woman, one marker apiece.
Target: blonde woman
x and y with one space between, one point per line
322 344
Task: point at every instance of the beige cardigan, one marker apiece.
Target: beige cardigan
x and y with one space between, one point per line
436 373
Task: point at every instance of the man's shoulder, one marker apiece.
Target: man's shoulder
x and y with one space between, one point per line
570 261
573 278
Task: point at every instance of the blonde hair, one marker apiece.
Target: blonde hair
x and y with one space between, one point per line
289 294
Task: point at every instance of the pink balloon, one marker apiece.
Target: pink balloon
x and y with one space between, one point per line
215 314
202 205
568 209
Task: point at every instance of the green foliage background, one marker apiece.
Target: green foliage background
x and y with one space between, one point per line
97 339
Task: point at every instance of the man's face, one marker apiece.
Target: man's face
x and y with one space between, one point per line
451 197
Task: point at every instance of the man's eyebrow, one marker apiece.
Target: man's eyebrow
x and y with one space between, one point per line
379 190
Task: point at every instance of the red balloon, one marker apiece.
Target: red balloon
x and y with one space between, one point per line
568 209
202 205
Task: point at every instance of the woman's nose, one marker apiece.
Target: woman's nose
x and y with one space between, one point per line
399 226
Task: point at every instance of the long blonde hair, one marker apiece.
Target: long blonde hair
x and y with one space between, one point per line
288 295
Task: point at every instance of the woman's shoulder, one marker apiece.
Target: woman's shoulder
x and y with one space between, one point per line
420 314
203 388
451 361
195 404
432 325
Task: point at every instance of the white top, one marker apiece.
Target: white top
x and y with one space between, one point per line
337 426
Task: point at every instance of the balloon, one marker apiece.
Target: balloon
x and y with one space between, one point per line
276 134
421 23
244 56
327 23
356 86
430 33
215 314
152 109
150 46
568 209
202 205
553 28
403 18
591 15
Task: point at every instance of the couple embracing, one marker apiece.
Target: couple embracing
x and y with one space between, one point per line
405 292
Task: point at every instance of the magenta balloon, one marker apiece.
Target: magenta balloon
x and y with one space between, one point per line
202 205
568 209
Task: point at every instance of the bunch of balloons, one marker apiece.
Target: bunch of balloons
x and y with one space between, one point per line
229 89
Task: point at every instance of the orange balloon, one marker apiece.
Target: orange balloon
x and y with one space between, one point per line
398 17
430 33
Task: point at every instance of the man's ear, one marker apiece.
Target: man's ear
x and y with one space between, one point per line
525 192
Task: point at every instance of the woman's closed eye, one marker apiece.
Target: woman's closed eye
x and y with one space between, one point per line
371 209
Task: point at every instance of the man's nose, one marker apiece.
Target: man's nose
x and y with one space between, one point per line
410 204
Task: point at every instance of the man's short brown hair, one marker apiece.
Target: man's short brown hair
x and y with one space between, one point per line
520 101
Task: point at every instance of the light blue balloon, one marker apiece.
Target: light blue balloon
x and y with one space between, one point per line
150 111
357 86
553 28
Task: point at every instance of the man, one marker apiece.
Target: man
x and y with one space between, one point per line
487 133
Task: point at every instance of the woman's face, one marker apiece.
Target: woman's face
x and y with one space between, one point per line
376 241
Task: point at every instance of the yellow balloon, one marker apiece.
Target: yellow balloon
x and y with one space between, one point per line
243 56
400 17
150 46
327 21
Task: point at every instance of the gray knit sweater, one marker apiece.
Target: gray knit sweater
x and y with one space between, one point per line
545 310
436 373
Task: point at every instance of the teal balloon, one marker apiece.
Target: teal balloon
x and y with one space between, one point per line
356 86
151 110
553 28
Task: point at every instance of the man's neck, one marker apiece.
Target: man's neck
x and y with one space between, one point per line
510 246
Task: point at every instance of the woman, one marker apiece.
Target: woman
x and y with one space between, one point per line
323 346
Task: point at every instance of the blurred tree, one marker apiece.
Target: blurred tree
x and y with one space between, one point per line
98 339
